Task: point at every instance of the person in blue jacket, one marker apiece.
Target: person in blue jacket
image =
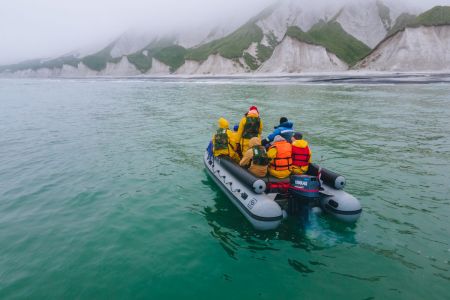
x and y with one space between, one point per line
285 129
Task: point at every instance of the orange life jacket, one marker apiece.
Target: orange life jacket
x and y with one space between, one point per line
300 156
283 160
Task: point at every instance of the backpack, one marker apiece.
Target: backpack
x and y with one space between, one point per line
251 128
260 156
221 139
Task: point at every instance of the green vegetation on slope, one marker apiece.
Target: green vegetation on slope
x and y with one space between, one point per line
334 38
98 61
173 56
438 15
37 64
141 61
297 33
330 35
29 64
59 62
231 46
251 61
265 52
402 21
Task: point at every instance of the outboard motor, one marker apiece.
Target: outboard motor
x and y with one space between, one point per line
305 186
304 193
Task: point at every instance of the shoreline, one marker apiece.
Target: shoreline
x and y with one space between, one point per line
374 77
253 75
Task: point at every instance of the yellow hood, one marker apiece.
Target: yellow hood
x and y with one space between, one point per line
223 123
300 143
254 141
253 113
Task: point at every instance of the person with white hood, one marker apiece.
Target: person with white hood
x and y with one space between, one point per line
280 155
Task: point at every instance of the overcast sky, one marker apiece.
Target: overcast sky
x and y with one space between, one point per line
42 28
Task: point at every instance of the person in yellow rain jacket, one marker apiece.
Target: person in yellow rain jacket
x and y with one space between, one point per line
223 141
301 154
256 157
250 126
234 142
280 155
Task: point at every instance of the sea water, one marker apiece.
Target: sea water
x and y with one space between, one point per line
103 192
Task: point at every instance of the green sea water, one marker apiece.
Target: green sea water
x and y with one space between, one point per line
103 192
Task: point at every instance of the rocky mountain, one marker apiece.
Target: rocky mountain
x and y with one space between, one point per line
418 44
287 37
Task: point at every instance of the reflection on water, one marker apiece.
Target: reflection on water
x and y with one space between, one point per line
235 233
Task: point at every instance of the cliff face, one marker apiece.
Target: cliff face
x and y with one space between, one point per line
214 65
293 56
288 37
363 21
413 49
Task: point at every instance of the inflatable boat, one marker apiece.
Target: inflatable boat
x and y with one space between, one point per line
265 202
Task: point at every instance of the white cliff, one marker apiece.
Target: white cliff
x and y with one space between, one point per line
214 65
293 56
362 20
38 73
414 49
80 71
158 68
278 20
252 49
122 68
296 13
424 48
188 68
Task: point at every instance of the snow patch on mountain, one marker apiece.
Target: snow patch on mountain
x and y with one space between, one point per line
293 56
414 49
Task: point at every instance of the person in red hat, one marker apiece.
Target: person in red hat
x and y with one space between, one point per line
250 126
253 108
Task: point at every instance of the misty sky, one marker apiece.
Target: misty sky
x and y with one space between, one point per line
43 28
